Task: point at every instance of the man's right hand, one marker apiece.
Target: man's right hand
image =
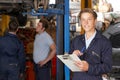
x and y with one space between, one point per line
77 52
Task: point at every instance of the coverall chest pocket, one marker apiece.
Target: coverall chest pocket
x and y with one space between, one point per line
94 57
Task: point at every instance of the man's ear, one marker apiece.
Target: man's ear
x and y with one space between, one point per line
17 29
43 28
96 21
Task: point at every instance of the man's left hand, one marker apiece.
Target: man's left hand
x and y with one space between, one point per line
83 65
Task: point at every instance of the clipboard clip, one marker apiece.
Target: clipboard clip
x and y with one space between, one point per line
65 56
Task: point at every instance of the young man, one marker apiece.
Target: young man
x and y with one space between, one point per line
44 51
94 49
12 57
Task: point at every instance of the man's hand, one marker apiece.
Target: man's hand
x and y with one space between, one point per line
21 75
83 65
77 52
41 63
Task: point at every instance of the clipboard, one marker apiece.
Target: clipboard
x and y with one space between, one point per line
68 60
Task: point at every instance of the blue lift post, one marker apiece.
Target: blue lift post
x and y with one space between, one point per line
66 36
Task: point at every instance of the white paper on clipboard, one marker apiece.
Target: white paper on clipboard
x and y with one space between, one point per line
69 61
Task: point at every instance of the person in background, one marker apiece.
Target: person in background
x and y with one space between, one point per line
44 50
94 50
12 56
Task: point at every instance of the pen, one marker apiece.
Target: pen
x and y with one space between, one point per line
82 50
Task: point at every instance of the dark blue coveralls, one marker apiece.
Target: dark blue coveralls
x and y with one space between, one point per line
12 57
98 55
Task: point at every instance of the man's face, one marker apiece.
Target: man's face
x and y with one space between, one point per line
87 21
39 28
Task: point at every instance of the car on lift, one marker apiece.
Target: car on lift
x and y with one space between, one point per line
16 8
113 34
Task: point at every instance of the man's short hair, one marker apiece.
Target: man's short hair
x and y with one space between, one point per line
88 10
44 23
13 25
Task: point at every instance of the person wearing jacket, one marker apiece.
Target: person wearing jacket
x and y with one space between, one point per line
12 56
94 50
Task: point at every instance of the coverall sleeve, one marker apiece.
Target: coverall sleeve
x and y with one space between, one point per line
21 57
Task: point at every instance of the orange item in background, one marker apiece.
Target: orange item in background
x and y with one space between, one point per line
30 74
